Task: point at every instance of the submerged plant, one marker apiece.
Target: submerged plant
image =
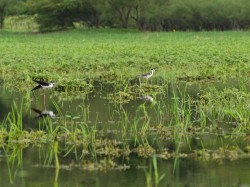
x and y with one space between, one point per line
152 174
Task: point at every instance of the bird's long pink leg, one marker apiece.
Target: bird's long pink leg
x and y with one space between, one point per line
44 100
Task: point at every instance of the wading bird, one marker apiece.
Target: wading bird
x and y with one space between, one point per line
44 86
146 75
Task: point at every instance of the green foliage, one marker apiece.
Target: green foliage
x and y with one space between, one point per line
122 9
54 14
153 15
3 5
3 9
116 55
149 14
209 15
178 124
61 14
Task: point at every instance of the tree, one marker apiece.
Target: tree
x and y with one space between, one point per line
153 15
4 5
122 9
90 12
61 14
149 14
52 14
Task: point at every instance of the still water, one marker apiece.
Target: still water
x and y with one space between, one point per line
188 173
30 167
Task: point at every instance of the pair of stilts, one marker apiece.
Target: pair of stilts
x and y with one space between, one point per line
45 85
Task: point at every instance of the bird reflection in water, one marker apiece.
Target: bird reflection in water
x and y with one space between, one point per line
146 98
44 113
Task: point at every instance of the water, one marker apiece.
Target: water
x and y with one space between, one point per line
30 166
187 173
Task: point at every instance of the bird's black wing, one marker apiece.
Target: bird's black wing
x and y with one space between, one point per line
41 83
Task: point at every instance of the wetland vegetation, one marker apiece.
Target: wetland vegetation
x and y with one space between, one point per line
194 109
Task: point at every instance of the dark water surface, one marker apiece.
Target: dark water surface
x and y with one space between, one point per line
187 173
30 168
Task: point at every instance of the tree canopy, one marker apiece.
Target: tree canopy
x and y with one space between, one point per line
4 8
160 15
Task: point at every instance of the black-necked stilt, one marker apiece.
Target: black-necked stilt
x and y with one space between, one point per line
44 113
43 85
147 75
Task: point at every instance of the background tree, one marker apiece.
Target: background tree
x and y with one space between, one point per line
153 15
149 14
52 14
5 7
207 14
122 10
91 12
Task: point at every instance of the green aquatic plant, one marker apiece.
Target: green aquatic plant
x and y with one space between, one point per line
145 150
119 97
226 105
152 174
14 118
13 124
14 159
55 148
181 109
